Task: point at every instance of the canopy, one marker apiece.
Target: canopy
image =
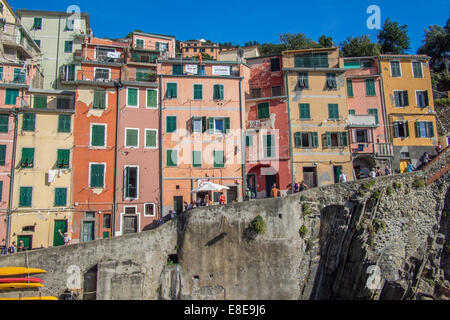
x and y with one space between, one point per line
209 186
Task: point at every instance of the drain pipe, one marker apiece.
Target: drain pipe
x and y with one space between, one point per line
119 85
243 146
161 153
286 81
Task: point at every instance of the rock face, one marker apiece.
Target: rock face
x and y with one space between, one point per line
386 238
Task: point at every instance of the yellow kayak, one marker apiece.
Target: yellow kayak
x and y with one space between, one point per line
30 298
12 286
14 271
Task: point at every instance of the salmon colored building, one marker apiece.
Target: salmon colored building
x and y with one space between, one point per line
202 118
94 152
368 132
267 128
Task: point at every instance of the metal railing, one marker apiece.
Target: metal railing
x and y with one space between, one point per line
13 77
99 75
385 149
100 55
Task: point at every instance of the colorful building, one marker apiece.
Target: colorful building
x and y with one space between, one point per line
231 54
202 119
192 48
267 125
369 140
410 109
318 112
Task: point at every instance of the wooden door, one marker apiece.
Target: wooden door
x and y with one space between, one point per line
58 239
27 241
130 224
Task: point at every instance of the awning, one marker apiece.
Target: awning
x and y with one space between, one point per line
209 186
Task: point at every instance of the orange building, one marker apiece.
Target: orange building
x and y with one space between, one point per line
192 48
202 116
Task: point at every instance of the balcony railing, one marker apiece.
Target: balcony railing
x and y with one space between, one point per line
143 57
100 55
13 77
362 121
385 150
99 75
257 153
140 76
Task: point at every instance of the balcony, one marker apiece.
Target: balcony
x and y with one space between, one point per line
385 150
97 76
162 47
132 75
257 153
259 124
18 78
362 121
100 55
143 58
13 37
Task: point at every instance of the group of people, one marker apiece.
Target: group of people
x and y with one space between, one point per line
299 187
13 248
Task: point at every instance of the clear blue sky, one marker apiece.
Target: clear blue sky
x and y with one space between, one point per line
239 21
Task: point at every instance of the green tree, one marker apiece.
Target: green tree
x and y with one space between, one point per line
296 41
436 45
359 47
131 33
393 38
326 42
267 49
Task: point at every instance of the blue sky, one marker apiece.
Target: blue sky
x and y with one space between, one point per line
239 21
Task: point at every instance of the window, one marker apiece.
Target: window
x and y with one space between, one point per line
69 25
106 221
264 110
64 123
1 73
256 93
367 64
29 122
248 141
352 112
4 123
276 91
60 197
219 159
151 136
370 88
89 215
219 125
401 129
63 103
305 111
275 65
374 112
171 158
269 146
37 24
69 72
132 138
131 182
19 76
63 160
171 124
2 154
198 92
350 88
401 98
303 81
25 196
333 111
38 42
132 97
196 159
11 96
362 136
130 210
311 60
101 74
171 91
422 99
177 69
396 71
149 209
98 135
424 129
97 175
99 99
218 92
417 69
152 98
335 140
306 140
142 74
139 44
198 125
40 102
331 81
27 160
68 46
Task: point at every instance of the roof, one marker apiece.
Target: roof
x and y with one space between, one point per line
155 35
22 12
309 50
360 58
192 61
404 56
225 50
266 56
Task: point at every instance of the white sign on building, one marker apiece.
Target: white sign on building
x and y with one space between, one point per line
221 70
191 68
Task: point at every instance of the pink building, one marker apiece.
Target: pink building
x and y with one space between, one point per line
368 133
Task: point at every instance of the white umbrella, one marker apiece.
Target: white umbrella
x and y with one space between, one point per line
209 186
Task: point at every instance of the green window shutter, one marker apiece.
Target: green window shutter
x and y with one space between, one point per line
19 76
430 129
219 159
177 69
370 87
132 97
4 123
211 125
305 111
98 136
171 124
2 155
152 98
37 23
97 176
68 46
417 126
197 159
172 158
1 73
417 68
298 139
248 141
315 138
60 197
132 137
227 125
64 123
350 88
63 160
25 196
40 102
99 99
344 139
218 92
198 91
11 96
171 90
333 111
27 160
29 122
264 110
204 124
328 135
352 112
375 113
150 138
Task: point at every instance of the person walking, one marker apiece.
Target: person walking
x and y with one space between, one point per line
13 248
373 173
303 186
410 167
387 171
343 178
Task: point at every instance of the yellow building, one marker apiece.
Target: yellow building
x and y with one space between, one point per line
318 112
42 204
411 115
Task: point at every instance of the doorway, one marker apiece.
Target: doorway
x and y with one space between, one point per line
58 239
251 183
337 170
88 232
270 181
27 241
232 194
178 204
310 176
130 224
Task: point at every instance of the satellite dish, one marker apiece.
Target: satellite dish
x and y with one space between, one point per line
240 53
